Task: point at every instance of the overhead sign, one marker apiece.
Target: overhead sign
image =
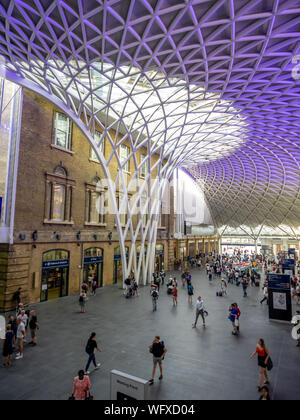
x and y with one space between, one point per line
280 301
124 387
288 264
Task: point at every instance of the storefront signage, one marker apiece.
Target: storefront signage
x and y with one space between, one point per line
125 387
280 306
93 260
159 252
292 251
118 257
55 264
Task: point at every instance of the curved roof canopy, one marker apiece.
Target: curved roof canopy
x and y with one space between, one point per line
213 84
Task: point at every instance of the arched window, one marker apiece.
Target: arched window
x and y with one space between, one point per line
59 190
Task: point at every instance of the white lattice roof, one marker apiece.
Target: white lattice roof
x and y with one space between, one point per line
213 86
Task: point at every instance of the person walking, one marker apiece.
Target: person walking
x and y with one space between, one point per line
90 349
175 295
94 287
266 295
155 296
190 293
81 387
199 312
21 335
159 350
82 301
34 326
8 347
233 317
245 285
263 360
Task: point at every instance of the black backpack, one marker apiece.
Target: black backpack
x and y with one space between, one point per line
89 349
160 351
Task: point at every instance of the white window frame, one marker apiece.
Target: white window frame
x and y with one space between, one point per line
93 155
123 147
68 146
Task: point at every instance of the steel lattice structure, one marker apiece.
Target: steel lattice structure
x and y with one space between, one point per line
210 86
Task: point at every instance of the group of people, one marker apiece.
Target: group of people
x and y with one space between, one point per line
16 334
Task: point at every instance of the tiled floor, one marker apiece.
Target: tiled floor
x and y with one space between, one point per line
200 364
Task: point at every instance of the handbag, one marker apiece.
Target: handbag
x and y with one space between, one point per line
270 365
89 397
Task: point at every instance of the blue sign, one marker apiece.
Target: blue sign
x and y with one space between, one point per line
279 282
118 257
55 264
159 252
93 260
292 251
288 264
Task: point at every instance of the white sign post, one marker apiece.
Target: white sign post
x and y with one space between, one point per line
125 387
2 328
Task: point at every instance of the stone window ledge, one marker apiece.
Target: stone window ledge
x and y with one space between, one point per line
61 149
55 222
95 224
94 161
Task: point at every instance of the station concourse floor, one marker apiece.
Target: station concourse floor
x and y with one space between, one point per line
208 364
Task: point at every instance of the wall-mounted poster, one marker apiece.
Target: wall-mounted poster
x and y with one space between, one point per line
279 301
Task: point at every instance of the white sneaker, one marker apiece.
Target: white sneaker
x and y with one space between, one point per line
87 373
19 357
98 366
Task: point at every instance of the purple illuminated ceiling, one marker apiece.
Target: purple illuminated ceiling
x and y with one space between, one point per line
247 52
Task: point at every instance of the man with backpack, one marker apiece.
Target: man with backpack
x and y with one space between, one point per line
158 349
155 295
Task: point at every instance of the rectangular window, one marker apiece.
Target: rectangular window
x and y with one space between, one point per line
144 167
102 146
124 155
59 199
63 131
97 214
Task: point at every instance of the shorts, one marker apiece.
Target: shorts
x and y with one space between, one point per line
20 342
157 360
33 333
7 351
261 362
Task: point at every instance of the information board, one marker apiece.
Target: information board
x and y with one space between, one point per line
280 301
124 387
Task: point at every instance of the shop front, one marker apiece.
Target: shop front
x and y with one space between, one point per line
118 268
55 275
93 266
159 257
